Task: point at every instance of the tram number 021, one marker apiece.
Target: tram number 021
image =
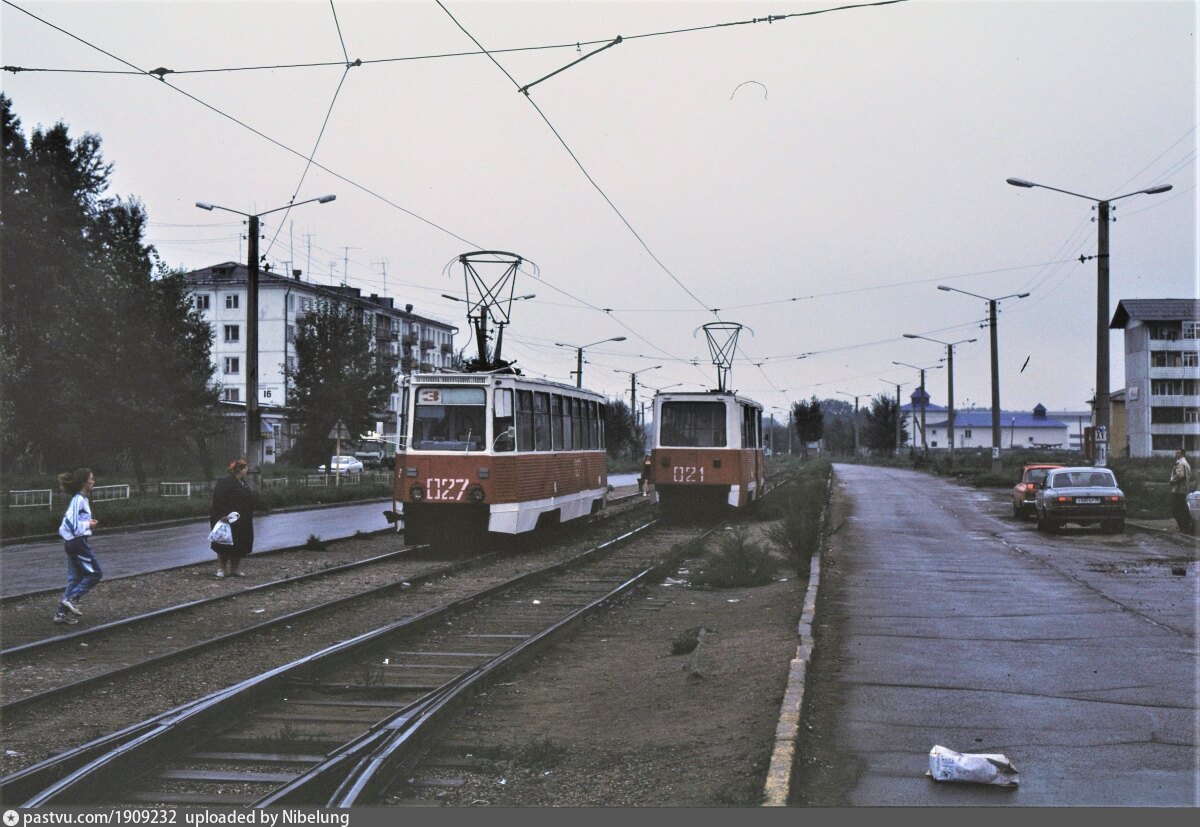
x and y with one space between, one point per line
687 473
440 488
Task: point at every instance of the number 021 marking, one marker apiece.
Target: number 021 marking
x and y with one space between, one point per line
442 488
687 473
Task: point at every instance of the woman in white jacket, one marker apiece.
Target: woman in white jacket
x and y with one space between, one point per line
83 569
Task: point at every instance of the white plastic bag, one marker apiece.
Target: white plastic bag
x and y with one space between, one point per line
976 768
222 534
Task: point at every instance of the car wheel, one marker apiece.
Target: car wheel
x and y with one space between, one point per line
1115 526
1018 512
1054 526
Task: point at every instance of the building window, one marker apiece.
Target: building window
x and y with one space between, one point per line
232 333
1191 359
232 364
967 433
1191 329
202 301
231 301
291 333
291 302
231 394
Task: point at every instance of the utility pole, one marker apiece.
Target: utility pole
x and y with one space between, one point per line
346 262
253 421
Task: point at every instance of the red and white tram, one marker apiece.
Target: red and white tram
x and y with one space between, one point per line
496 452
706 450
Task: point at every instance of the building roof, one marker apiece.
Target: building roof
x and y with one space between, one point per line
1155 310
976 418
233 272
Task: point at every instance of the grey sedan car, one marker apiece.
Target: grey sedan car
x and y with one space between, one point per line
1082 496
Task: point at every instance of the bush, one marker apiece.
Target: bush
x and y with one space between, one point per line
738 561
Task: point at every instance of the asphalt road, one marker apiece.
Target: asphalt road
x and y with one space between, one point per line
942 620
31 567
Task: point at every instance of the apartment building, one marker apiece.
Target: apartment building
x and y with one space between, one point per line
1162 375
408 341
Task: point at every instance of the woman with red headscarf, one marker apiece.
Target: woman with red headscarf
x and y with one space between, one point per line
231 496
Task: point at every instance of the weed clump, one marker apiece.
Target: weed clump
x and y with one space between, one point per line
737 561
315 543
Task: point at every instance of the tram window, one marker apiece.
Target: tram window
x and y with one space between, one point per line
449 419
541 421
503 426
693 425
524 420
576 430
568 429
402 419
600 411
556 422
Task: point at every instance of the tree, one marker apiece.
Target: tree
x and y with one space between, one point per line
106 361
839 426
339 375
810 423
620 432
879 430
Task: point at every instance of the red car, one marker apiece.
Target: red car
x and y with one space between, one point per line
1025 492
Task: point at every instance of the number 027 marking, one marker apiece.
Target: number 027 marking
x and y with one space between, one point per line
687 473
441 488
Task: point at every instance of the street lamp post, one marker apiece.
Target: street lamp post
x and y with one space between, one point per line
579 356
924 397
992 303
633 374
253 423
1103 404
856 398
949 381
896 439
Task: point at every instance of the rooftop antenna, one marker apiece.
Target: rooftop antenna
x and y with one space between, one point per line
489 279
722 345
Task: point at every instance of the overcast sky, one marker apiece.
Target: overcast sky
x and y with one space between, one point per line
813 178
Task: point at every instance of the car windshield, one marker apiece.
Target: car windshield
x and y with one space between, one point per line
1083 479
449 419
1037 475
693 424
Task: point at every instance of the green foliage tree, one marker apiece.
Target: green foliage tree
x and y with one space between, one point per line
339 375
838 415
879 427
107 362
622 436
809 422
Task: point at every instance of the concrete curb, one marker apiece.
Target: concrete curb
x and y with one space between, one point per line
778 786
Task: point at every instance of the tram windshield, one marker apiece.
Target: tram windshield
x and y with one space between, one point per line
692 425
449 419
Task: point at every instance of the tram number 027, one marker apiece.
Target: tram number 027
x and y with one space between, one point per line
440 488
687 473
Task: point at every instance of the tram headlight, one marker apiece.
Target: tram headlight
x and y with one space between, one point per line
477 494
417 493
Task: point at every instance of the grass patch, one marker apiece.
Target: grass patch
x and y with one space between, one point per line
737 561
541 754
315 543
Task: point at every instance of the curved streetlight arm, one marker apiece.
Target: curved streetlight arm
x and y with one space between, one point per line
323 199
1021 182
976 295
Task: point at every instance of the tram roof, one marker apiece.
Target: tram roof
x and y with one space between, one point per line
501 380
698 396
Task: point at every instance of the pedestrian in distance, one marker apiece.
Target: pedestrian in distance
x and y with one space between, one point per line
232 496
644 476
1181 484
83 569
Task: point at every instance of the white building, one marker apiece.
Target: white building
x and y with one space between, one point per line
1162 374
409 342
973 427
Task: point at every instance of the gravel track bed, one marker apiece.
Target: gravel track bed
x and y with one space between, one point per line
34 733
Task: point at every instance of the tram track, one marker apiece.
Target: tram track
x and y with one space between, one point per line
342 691
44 669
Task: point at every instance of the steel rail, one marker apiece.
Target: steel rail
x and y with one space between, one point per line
406 740
200 646
166 611
172 732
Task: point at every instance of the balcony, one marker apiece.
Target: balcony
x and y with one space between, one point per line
447 347
409 339
426 367
427 344
407 364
